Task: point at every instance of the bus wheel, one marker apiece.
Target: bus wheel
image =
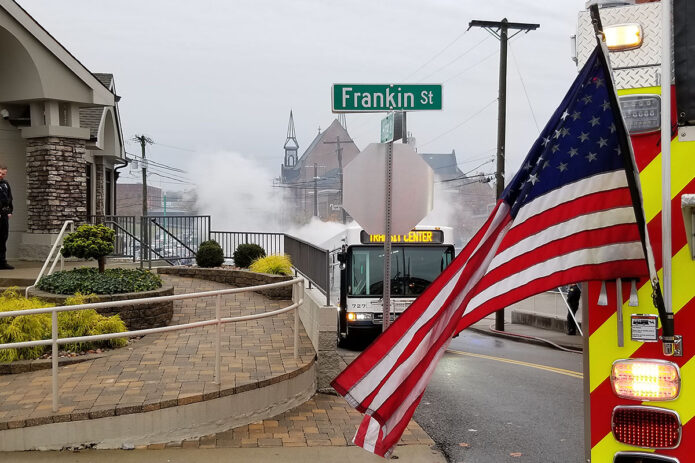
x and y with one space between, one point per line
342 341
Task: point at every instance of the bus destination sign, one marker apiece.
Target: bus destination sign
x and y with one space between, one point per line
413 237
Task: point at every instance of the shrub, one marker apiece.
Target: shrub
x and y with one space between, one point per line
89 280
247 253
275 265
34 327
210 254
90 242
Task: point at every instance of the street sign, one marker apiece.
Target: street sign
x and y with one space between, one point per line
387 125
360 98
364 189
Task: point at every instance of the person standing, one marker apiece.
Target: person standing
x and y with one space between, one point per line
5 214
573 296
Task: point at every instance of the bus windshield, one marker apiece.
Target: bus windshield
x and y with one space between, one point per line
413 268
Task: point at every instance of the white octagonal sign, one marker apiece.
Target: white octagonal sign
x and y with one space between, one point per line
364 196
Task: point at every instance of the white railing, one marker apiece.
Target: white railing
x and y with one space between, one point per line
59 240
55 341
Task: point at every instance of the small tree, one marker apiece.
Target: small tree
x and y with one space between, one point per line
90 242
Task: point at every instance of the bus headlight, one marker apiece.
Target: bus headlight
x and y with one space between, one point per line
358 316
645 379
621 37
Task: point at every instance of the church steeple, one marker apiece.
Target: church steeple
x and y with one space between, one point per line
291 145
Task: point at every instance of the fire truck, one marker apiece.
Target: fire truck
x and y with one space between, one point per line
639 371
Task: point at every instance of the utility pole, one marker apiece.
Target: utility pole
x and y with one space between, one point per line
337 142
316 190
500 30
144 140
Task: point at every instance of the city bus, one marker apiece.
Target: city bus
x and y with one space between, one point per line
417 258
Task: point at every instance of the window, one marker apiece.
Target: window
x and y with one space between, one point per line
88 172
413 268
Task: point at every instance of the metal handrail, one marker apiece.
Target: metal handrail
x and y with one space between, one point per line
50 254
55 341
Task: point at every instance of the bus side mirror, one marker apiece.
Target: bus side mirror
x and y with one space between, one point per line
342 258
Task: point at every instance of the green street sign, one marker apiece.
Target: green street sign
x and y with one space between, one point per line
359 98
387 124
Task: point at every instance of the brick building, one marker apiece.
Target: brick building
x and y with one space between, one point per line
60 134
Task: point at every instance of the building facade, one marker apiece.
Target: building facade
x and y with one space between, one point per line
313 182
60 134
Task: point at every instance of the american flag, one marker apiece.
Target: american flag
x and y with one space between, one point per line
568 215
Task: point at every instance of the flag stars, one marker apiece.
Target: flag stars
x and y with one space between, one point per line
557 134
612 127
545 164
606 105
618 151
562 167
564 132
564 115
555 148
594 121
573 152
546 140
587 99
599 82
576 115
533 179
528 166
583 137
590 157
602 142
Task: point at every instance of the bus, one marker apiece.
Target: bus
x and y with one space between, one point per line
417 258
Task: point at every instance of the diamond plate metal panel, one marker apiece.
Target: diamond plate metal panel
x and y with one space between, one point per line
632 68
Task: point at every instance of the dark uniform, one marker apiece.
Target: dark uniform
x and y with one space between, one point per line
5 210
573 296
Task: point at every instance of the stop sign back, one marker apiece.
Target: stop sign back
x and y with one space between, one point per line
364 185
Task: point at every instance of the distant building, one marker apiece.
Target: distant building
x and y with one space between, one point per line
60 134
129 199
471 197
313 182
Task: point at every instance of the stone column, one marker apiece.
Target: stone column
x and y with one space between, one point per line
56 190
99 182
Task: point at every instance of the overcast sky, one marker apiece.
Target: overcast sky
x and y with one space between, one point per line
214 77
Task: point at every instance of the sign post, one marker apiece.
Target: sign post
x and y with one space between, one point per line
358 98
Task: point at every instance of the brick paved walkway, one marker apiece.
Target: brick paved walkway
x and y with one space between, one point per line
325 420
168 369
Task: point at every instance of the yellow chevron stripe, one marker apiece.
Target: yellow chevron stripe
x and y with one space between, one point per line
681 175
603 343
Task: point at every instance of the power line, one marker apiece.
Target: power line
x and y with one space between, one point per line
494 53
457 58
461 123
437 54
176 147
523 85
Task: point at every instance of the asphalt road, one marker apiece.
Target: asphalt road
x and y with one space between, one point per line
496 400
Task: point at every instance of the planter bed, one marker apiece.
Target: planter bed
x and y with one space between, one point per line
234 277
136 317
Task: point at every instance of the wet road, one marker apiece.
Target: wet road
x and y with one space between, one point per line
496 400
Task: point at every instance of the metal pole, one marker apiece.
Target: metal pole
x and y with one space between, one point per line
298 298
340 177
666 152
54 358
387 240
619 312
501 131
219 338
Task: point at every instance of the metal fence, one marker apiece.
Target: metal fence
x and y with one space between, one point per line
175 239
312 262
126 228
55 341
272 243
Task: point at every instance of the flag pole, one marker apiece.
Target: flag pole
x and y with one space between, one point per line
665 314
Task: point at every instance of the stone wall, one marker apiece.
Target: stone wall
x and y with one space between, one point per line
56 183
234 277
136 317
